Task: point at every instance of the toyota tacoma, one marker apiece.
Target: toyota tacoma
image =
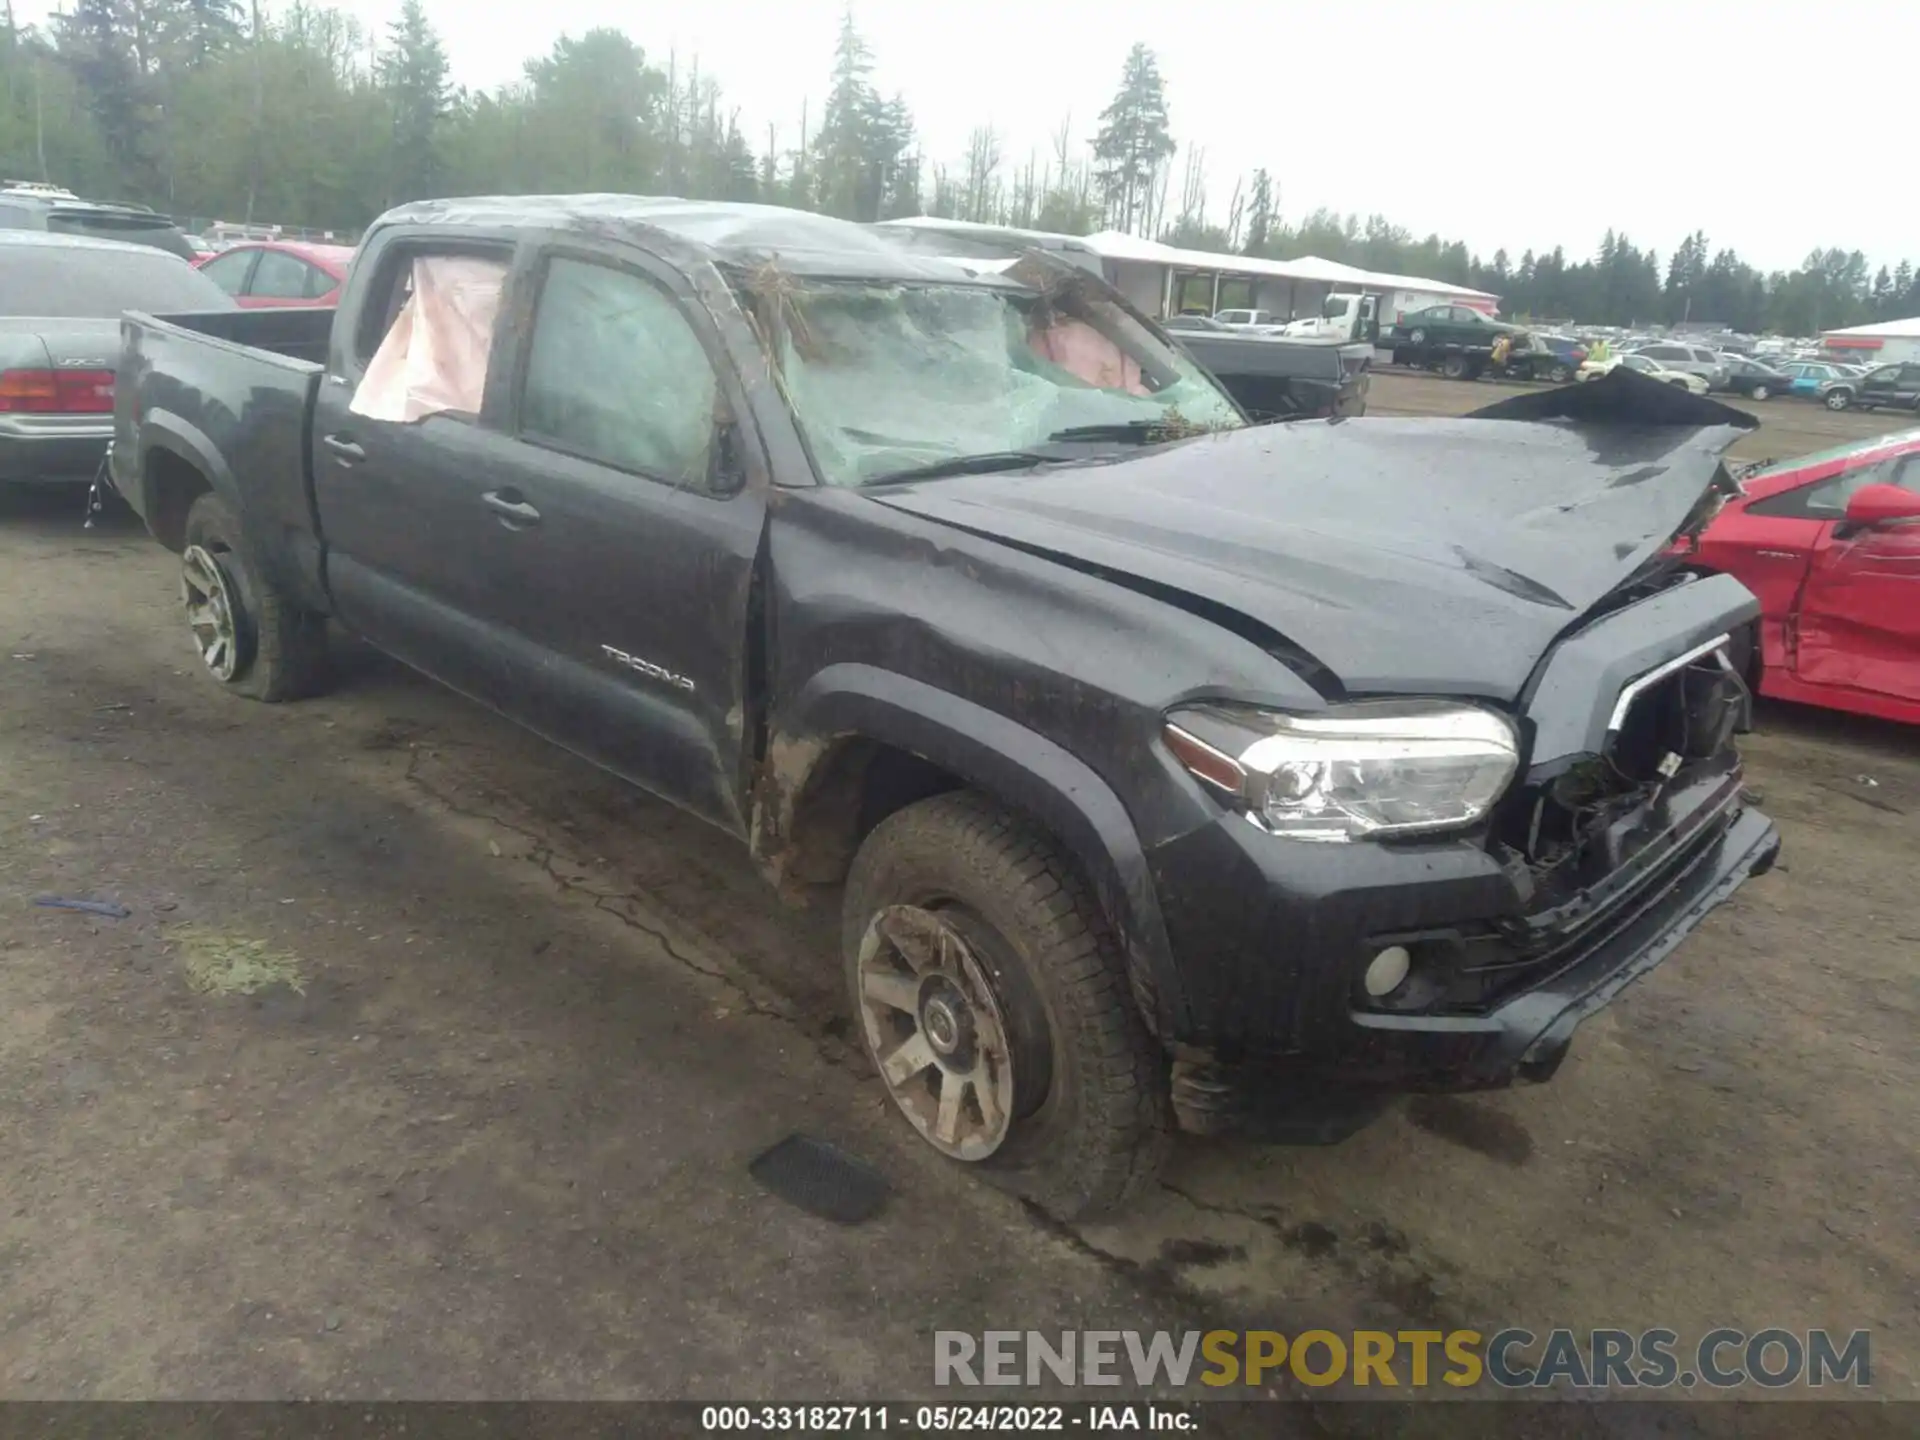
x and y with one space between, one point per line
1168 771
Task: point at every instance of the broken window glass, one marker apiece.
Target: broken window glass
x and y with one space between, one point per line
889 377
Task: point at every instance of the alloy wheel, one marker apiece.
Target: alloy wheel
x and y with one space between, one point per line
208 597
936 1031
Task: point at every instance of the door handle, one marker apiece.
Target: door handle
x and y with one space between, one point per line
513 511
344 448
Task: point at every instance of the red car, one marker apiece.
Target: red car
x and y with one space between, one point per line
1831 545
270 274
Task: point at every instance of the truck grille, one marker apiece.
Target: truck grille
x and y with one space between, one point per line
1592 846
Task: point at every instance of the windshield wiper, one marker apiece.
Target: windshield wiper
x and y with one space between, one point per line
985 463
1137 432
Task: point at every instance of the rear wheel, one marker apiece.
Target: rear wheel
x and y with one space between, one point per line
1680 384
1416 337
250 637
1838 399
1455 367
1560 374
1761 392
994 1003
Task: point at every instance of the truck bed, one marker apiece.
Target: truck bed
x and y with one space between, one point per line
298 333
227 393
1277 377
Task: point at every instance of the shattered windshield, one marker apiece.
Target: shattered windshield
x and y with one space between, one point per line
886 378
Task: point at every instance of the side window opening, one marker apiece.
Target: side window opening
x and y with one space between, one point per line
432 353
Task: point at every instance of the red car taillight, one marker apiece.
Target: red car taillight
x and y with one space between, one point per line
56 392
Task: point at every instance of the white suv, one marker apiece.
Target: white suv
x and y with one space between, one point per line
1689 360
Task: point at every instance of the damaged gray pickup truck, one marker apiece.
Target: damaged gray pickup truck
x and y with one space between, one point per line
1172 771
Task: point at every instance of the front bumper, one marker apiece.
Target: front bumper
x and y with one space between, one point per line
1299 1055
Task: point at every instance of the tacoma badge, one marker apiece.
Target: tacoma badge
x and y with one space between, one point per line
647 667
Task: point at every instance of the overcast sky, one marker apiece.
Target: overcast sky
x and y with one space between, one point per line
1492 121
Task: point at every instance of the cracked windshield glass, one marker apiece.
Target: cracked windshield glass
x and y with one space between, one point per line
887 379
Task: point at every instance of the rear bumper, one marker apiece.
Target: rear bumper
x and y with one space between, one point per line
52 449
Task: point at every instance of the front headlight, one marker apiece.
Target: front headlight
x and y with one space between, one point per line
1377 768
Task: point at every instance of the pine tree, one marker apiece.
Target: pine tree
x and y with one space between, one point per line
1260 214
202 30
1134 141
99 43
866 167
844 139
413 73
899 160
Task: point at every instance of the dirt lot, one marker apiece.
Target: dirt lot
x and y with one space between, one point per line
494 1144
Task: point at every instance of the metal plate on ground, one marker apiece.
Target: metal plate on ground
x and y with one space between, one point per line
821 1179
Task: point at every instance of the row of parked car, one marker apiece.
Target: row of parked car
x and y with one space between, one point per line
1836 385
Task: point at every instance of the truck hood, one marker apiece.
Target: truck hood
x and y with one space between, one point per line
1428 556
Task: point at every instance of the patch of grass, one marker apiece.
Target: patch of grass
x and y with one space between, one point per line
219 964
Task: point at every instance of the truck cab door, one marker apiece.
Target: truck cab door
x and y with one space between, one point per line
623 577
1367 323
1858 625
407 537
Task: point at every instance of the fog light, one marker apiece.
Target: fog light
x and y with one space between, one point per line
1387 970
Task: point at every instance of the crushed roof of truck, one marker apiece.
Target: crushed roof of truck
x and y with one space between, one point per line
725 233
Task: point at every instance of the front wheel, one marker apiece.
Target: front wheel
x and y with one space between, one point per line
1838 400
251 638
994 1003
1560 374
1761 392
1681 385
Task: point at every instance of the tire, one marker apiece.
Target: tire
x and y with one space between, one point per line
1681 385
1454 367
1088 1118
250 636
1838 400
1416 337
1560 374
1760 392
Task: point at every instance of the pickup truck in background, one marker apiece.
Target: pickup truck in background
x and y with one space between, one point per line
1165 769
1459 341
1278 378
